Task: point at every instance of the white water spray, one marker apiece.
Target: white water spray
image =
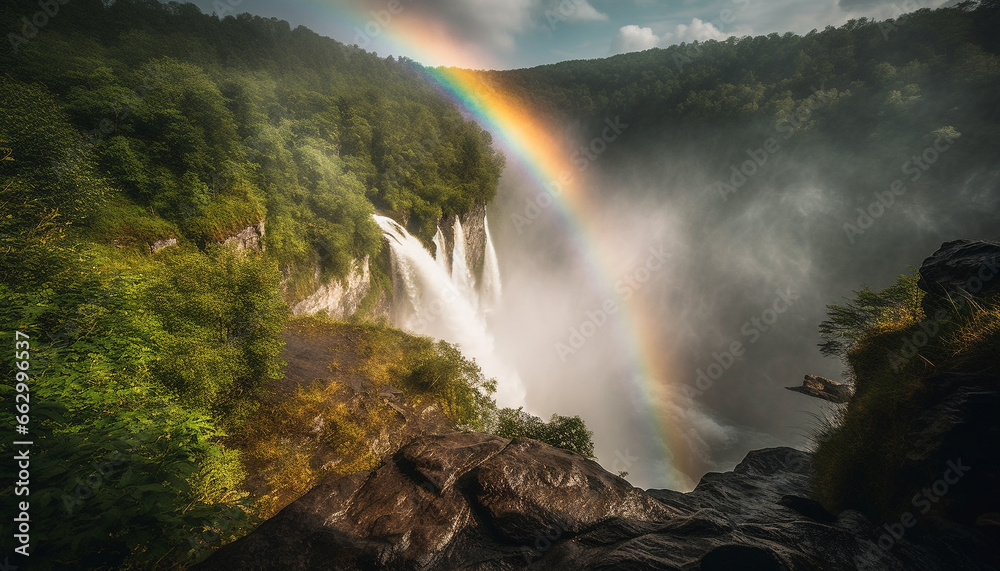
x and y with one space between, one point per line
429 302
490 288
461 276
439 252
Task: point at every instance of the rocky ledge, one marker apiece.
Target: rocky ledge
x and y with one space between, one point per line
475 501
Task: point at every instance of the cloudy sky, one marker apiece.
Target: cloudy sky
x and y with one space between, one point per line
522 33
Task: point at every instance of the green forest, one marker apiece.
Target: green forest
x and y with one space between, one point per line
870 93
136 123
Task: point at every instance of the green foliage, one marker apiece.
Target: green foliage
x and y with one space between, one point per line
422 367
219 321
568 433
132 122
122 464
212 138
893 350
464 392
124 223
885 87
850 323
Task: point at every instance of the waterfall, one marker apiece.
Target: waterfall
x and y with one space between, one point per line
490 290
439 251
428 301
461 276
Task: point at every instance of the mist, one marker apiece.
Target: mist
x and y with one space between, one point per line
756 267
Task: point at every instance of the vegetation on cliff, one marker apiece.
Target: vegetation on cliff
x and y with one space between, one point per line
140 136
908 360
355 392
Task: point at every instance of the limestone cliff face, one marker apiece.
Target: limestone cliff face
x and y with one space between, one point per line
161 244
339 298
474 228
250 238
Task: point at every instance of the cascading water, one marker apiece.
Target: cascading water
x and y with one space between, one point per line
439 250
429 302
490 289
461 276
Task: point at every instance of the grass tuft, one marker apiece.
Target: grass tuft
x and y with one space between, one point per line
893 351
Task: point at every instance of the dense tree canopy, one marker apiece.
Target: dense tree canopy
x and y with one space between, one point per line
867 92
132 123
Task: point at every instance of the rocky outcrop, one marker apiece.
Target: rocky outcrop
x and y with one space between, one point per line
474 228
250 238
959 440
475 501
959 269
161 244
339 298
327 399
823 388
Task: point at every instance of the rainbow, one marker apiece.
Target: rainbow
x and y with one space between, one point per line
525 135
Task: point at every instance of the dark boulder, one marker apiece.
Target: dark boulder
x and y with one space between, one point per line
959 269
958 443
475 501
823 388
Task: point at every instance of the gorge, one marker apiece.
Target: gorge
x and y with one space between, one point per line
282 301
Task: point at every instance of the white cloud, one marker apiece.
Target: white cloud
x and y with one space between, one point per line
634 38
696 31
582 11
495 24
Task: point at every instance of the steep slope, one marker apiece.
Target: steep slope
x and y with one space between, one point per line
476 501
473 501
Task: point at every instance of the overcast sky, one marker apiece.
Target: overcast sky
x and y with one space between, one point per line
523 33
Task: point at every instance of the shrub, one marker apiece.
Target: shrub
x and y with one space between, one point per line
891 349
568 433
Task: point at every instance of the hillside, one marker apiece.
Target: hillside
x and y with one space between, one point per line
174 183
840 105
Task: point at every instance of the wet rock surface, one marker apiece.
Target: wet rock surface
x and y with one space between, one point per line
823 388
475 501
962 268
